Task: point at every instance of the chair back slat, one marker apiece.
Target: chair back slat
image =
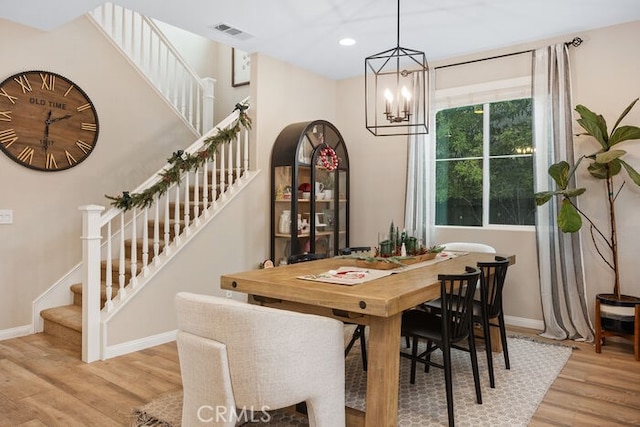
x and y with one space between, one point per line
456 293
294 259
492 281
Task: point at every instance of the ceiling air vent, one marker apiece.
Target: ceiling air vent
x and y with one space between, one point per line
231 31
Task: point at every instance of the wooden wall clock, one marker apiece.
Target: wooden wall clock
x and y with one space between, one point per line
47 122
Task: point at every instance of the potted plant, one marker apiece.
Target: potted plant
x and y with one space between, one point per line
606 164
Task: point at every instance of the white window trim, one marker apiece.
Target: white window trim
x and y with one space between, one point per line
483 93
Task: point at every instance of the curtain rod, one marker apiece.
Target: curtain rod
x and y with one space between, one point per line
577 41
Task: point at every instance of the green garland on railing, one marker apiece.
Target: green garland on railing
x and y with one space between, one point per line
183 162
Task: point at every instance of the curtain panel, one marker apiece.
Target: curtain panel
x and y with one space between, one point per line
417 212
561 274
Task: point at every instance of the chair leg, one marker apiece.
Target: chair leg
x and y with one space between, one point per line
503 336
487 343
354 338
430 345
446 356
474 366
363 346
414 360
358 334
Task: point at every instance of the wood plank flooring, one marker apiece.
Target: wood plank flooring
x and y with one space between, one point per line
43 382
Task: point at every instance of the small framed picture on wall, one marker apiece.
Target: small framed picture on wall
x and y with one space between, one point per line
240 67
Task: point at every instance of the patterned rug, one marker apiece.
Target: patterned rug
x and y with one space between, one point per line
518 392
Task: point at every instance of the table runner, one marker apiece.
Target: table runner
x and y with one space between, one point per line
347 275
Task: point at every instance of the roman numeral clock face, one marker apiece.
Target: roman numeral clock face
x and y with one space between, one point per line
46 121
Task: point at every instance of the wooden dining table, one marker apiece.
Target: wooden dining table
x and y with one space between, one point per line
377 303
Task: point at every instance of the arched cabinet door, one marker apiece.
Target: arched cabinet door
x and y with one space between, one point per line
309 191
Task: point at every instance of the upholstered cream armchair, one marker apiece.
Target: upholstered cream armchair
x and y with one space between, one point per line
236 358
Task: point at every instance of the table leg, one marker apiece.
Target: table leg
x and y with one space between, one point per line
383 371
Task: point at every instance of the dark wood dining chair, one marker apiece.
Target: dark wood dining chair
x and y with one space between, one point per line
354 250
487 308
359 332
304 257
451 326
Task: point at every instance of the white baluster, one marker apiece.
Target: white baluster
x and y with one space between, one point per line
196 198
205 189
214 182
245 154
167 225
176 217
230 180
122 293
187 204
223 188
108 274
134 249
145 242
156 231
238 151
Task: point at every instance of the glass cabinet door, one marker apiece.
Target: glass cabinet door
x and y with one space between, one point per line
310 209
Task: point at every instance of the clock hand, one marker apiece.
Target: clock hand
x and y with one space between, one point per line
57 119
45 141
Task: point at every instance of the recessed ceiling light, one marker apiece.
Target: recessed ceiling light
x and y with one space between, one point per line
347 42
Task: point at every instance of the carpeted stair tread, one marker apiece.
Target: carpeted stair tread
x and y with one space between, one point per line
76 289
69 316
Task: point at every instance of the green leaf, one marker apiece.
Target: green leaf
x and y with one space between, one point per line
594 124
574 192
569 220
560 174
543 197
635 176
598 170
624 113
624 133
608 156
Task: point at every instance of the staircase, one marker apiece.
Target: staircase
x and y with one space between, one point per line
65 322
141 41
125 246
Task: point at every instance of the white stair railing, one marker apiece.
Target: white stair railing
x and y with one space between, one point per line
137 242
144 44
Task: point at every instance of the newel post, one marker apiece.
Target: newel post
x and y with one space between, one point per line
91 240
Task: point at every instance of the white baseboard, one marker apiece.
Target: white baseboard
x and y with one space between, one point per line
141 344
19 331
524 322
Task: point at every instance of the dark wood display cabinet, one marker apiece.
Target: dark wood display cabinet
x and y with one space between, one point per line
309 191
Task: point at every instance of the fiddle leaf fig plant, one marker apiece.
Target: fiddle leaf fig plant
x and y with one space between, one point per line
605 164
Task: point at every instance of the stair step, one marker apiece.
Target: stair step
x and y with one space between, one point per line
76 289
64 322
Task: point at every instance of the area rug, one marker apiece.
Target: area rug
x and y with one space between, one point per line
514 400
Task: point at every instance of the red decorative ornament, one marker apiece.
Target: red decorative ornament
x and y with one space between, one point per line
329 158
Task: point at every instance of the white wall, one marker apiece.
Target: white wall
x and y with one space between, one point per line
136 133
606 80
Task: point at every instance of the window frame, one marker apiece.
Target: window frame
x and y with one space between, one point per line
478 94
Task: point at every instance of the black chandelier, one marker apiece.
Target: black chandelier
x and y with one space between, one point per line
396 83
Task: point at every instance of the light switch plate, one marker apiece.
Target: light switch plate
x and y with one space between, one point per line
6 216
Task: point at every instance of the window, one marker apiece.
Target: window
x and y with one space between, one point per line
484 164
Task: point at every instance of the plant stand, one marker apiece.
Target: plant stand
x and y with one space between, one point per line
618 317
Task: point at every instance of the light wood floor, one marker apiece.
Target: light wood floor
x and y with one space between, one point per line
44 383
